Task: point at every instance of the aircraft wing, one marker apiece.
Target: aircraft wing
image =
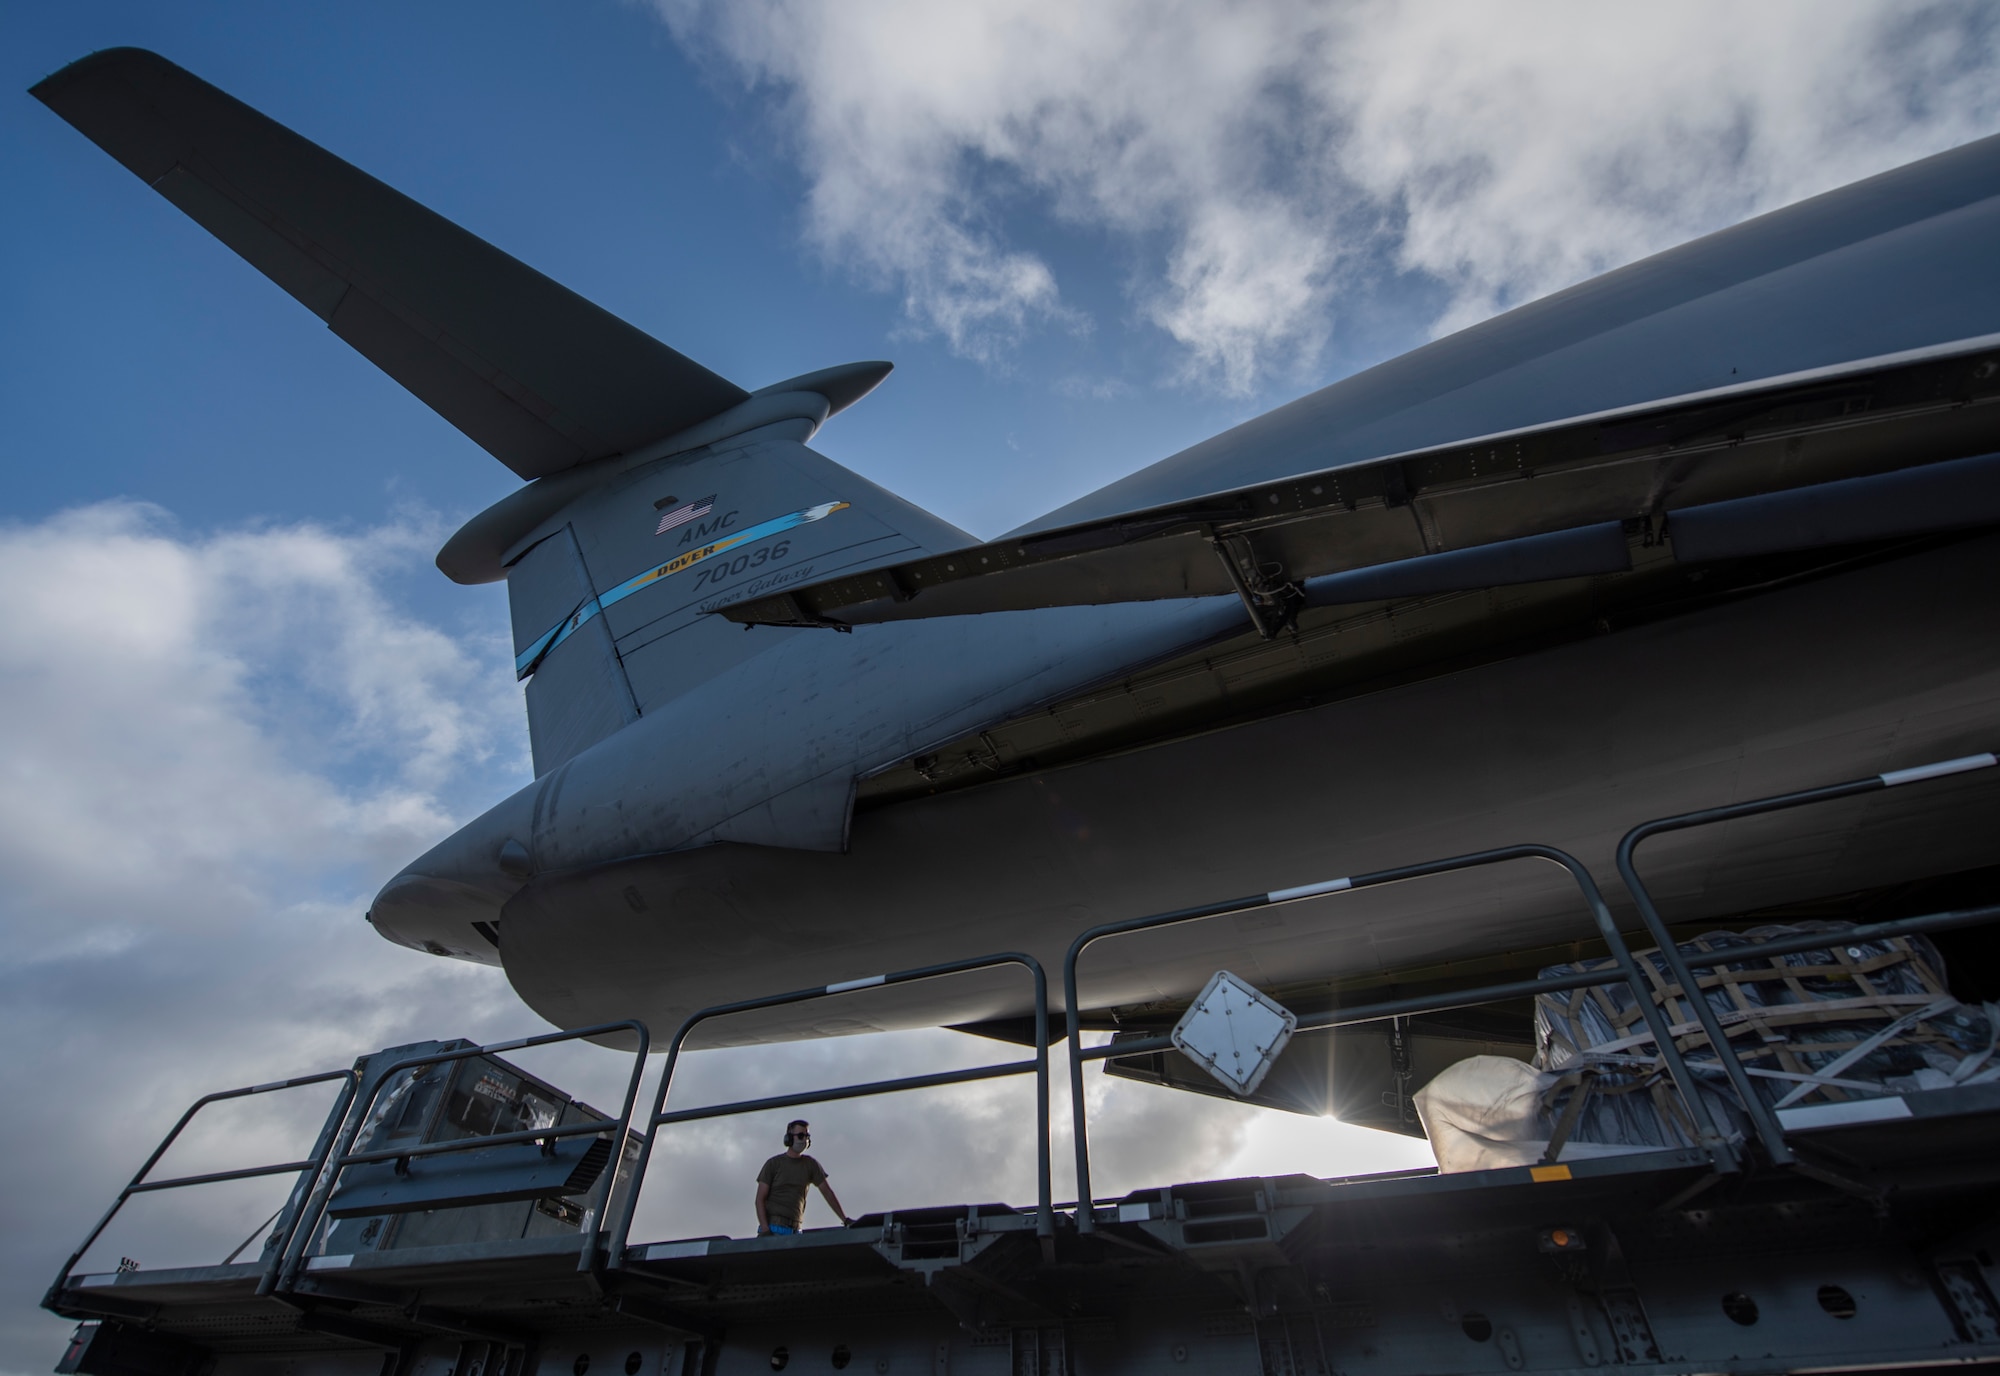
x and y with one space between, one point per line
530 371
1554 501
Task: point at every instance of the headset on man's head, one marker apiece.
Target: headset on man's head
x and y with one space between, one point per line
806 1136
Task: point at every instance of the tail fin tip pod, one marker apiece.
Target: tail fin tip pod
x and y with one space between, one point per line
481 550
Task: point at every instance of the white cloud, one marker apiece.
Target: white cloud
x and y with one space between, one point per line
176 713
1528 155
216 747
1257 160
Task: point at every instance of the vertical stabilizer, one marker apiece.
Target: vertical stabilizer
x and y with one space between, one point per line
612 594
577 698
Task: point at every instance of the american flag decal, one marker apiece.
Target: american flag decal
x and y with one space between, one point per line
681 515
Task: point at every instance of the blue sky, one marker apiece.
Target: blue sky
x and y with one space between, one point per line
234 694
149 363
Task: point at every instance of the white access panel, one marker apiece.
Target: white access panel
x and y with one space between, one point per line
1234 1031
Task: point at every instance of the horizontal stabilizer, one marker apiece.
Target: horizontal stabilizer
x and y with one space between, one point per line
1529 505
531 372
1910 501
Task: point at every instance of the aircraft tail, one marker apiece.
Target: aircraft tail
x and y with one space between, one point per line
657 488
611 572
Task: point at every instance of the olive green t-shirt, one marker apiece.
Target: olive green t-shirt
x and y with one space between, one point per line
788 1176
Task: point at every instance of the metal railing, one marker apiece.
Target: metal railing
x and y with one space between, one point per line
1039 1066
1627 972
307 1169
308 1220
604 1245
1770 1132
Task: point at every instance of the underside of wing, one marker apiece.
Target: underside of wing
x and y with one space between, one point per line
536 375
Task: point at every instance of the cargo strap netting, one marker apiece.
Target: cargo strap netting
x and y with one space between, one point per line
1857 1019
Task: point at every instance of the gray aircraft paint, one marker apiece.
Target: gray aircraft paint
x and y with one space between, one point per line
1832 680
657 644
685 837
754 755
